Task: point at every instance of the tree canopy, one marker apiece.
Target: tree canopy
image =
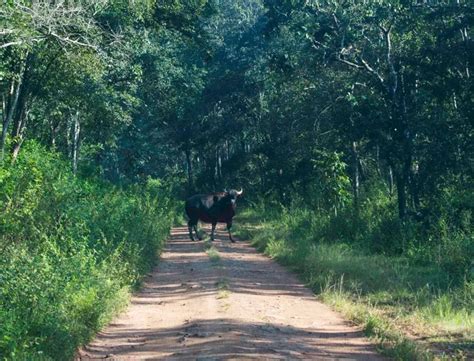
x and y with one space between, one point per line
290 99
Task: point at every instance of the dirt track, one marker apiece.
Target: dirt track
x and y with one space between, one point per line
241 306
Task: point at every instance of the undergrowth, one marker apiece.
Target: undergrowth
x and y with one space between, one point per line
71 250
417 305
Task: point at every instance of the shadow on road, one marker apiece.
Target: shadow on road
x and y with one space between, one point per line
182 313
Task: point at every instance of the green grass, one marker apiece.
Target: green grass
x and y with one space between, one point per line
213 254
211 251
223 288
408 308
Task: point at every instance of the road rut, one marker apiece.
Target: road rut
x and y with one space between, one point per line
236 304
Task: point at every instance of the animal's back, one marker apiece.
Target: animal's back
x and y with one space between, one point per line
199 205
198 202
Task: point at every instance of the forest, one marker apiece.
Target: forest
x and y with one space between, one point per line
349 125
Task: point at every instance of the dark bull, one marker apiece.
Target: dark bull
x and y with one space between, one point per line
211 208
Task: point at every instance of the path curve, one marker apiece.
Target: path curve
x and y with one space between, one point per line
236 304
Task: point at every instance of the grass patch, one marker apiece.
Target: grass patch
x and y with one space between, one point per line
390 340
213 254
211 251
413 311
223 289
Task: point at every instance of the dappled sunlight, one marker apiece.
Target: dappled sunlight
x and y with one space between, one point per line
226 338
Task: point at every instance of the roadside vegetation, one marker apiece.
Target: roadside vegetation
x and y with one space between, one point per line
414 296
347 123
213 254
71 250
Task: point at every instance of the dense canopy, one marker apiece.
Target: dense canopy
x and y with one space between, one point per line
288 98
356 109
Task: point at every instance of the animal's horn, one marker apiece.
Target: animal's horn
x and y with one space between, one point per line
239 193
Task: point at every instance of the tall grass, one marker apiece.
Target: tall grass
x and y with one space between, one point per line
71 249
385 275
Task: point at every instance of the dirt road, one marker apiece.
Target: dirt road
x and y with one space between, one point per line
232 303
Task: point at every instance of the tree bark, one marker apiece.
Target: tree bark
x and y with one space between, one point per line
390 181
75 143
356 175
377 152
189 168
68 136
11 105
20 115
401 185
18 131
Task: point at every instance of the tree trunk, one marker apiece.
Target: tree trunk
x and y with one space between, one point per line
11 105
219 166
407 143
227 150
75 144
69 136
390 181
54 133
401 195
356 175
379 168
414 189
18 132
189 168
21 118
20 114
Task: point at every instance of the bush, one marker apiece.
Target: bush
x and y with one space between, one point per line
71 249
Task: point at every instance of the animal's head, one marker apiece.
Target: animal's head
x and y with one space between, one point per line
233 194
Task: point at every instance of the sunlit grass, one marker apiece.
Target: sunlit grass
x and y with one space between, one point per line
223 289
211 251
408 309
213 254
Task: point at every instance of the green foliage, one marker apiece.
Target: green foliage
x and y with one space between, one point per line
71 251
381 287
334 182
348 122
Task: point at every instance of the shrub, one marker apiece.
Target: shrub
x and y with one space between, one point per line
71 249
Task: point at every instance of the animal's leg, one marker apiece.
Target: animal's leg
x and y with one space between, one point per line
197 233
190 228
213 230
229 226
